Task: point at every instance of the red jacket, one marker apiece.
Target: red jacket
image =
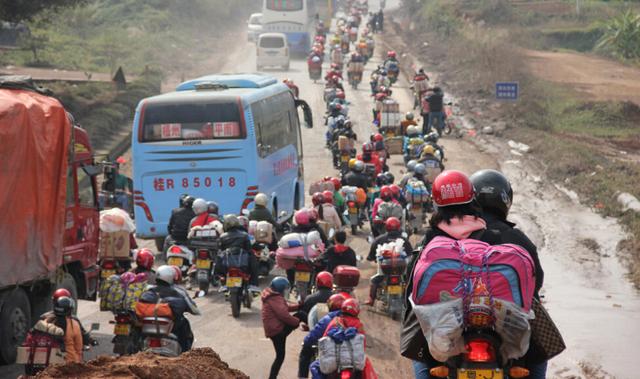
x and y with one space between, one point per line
345 322
275 313
202 219
375 160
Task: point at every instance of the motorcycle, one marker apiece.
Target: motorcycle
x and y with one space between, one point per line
304 278
266 262
355 78
237 290
206 247
182 257
352 215
315 70
157 337
126 337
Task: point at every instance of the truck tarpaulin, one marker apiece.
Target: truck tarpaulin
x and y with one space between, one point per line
34 148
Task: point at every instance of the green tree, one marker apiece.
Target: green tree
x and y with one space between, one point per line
622 35
23 10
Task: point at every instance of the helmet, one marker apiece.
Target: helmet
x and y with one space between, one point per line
358 166
336 183
413 131
383 73
63 306
243 221
428 150
390 177
261 199
392 224
177 274
279 284
199 206
145 258
315 59
431 137
452 187
347 124
409 116
352 163
230 221
391 54
166 274
301 217
378 137
188 201
60 292
317 198
324 279
328 196
381 180
335 302
351 307
420 169
493 191
411 165
182 198
395 189
367 147
212 207
385 193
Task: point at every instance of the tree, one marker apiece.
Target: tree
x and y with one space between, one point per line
23 10
622 35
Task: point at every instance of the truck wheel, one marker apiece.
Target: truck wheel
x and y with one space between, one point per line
15 319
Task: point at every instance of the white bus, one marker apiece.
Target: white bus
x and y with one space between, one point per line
294 18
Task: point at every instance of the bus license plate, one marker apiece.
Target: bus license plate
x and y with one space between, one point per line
121 329
104 274
174 261
303 276
203 263
234 281
478 374
394 290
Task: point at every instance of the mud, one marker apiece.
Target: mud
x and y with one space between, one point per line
198 363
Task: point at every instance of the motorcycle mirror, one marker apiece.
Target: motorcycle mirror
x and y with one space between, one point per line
95 326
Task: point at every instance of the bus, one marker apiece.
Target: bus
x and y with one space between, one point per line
294 18
223 138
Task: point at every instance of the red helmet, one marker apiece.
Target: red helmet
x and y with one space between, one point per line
145 258
337 184
334 66
324 279
317 198
61 292
351 307
367 147
328 196
452 187
385 193
395 189
302 217
378 137
335 302
313 214
391 54
340 95
392 224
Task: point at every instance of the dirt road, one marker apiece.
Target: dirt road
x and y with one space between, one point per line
595 78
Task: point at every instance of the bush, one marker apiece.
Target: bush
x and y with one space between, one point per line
622 35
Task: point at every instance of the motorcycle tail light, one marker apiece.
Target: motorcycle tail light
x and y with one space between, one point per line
518 372
108 265
235 272
346 374
352 204
439 371
302 267
122 319
480 350
155 342
175 250
203 254
394 280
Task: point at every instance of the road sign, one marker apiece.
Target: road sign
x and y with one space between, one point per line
507 91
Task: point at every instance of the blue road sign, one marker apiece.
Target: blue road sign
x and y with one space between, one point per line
507 91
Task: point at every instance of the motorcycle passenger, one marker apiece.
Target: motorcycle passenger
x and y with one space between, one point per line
436 110
144 264
355 65
260 212
50 317
428 158
356 176
277 322
62 309
409 120
201 210
411 166
378 220
334 305
179 221
329 212
324 289
213 210
340 254
348 317
495 196
393 233
236 240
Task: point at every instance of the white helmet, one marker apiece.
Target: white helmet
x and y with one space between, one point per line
200 206
413 130
165 273
261 199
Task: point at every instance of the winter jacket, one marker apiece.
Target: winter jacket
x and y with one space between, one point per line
345 321
338 199
73 341
201 220
275 313
340 255
385 238
235 238
320 296
435 101
309 228
330 215
318 331
260 213
179 222
356 179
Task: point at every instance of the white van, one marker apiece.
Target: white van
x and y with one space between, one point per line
272 50
254 26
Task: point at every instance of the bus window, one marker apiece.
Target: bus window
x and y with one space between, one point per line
274 129
178 122
284 5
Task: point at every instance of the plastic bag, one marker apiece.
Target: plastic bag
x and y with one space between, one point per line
116 220
348 353
512 324
442 326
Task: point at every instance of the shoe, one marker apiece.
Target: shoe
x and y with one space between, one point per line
223 289
254 289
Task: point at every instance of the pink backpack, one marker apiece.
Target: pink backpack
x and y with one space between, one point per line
447 269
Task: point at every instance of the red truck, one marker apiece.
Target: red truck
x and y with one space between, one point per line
48 209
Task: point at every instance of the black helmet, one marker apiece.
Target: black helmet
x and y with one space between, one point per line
182 199
63 306
212 207
188 201
381 179
390 177
493 191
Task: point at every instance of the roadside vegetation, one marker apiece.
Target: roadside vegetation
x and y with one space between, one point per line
584 144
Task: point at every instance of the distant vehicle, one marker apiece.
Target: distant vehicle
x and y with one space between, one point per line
220 137
295 18
254 26
272 49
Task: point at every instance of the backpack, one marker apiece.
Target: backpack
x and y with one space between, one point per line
341 348
416 191
448 269
389 209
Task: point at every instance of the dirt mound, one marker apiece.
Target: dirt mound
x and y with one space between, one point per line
197 363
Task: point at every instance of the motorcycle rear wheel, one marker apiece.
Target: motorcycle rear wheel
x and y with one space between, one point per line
235 303
203 285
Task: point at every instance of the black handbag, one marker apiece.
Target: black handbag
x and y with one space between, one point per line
546 340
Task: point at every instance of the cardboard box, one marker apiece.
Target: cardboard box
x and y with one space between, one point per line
394 145
40 354
390 119
114 245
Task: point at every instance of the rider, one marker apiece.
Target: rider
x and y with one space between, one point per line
201 210
356 177
391 57
179 221
237 241
329 211
369 156
73 341
392 226
50 316
409 120
260 212
355 65
428 158
333 73
144 264
436 110
293 87
324 286
386 196
213 209
397 194
340 254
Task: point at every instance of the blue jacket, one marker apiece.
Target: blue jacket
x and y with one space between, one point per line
316 333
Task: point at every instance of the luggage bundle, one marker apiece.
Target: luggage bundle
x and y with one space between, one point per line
294 246
321 186
351 193
389 209
121 292
41 348
262 231
391 257
416 191
390 116
341 348
345 143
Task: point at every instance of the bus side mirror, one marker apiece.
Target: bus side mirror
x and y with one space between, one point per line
306 111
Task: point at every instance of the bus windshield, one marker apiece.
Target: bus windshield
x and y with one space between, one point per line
179 122
284 5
